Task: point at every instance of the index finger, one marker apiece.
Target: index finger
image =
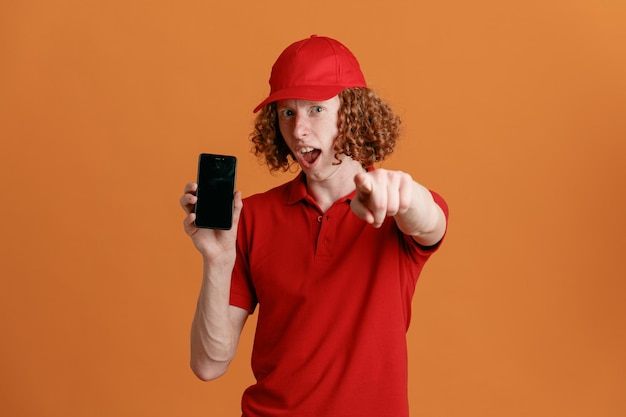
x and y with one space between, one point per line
188 199
191 187
364 185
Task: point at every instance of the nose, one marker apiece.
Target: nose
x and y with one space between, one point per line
301 126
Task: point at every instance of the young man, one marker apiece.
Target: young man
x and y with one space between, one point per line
331 258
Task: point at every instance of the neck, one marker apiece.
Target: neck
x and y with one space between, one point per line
341 183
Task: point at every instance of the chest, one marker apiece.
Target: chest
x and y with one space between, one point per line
300 256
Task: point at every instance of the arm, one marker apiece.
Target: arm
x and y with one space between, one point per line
215 329
217 325
382 193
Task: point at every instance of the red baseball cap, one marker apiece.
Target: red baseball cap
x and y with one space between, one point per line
316 68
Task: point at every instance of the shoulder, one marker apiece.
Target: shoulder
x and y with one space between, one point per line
273 194
266 204
286 193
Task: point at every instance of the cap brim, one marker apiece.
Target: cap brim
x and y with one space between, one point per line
313 93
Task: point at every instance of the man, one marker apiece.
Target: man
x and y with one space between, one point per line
331 258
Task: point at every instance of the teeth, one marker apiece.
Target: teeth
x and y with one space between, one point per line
306 150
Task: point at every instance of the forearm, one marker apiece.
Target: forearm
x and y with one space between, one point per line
424 220
213 336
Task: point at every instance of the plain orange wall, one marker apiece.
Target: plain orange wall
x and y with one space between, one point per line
514 111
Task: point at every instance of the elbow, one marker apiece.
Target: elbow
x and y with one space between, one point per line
209 364
208 372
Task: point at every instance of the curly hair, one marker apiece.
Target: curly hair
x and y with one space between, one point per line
368 131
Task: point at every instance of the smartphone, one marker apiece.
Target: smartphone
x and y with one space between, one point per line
216 190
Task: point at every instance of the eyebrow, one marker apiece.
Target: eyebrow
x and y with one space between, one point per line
306 103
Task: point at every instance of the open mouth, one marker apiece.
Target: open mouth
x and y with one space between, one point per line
308 155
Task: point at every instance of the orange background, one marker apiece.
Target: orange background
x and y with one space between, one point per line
514 111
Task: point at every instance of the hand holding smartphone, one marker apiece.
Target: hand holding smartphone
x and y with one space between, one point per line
216 190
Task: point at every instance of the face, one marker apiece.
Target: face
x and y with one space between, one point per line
309 129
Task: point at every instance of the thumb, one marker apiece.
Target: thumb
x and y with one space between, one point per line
237 206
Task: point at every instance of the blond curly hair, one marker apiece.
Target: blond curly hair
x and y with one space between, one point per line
368 131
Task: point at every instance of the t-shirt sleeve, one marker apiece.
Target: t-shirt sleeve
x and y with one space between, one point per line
242 292
241 295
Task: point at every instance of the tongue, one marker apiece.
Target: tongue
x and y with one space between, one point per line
310 157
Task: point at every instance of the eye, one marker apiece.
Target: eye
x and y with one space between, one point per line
317 109
286 112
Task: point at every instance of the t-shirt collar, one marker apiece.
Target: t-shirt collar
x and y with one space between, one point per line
298 192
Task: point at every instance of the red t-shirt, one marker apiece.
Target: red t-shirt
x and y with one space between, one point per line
334 298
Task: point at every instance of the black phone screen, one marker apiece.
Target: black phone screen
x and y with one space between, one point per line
216 187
